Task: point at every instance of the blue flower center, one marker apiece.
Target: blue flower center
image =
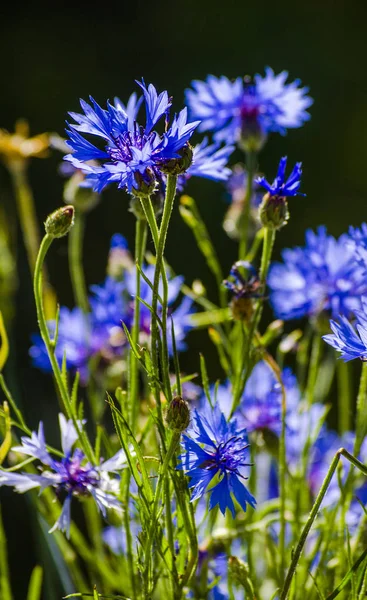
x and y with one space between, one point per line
76 477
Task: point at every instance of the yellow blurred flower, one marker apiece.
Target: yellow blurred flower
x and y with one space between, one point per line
17 147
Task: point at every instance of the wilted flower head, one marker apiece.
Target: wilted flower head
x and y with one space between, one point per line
71 475
321 276
244 290
244 111
350 341
217 449
132 156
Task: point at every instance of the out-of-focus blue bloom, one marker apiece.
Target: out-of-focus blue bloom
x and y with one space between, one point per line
280 186
261 403
132 155
349 341
237 187
72 475
229 108
179 313
358 236
215 448
100 332
303 429
321 276
77 340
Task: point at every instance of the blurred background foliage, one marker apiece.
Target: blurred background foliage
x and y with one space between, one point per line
52 55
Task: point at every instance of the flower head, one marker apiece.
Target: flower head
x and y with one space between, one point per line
280 186
71 475
350 341
321 276
216 448
244 290
133 156
248 111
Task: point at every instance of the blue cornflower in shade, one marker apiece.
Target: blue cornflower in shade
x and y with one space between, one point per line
71 475
280 186
132 156
217 449
350 341
241 108
236 187
321 276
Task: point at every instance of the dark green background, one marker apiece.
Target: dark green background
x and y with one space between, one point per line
51 57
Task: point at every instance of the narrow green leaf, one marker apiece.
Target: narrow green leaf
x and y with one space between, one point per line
6 445
5 589
344 582
4 348
176 361
205 379
35 584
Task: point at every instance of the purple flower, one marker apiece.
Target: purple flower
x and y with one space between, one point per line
280 186
350 341
236 109
216 449
72 475
131 155
321 276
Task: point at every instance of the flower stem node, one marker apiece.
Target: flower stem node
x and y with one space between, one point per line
273 211
177 166
60 221
178 414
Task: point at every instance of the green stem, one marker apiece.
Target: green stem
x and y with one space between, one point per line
282 463
75 249
133 397
64 394
163 473
344 396
251 160
361 410
315 509
5 588
29 225
26 212
243 373
313 368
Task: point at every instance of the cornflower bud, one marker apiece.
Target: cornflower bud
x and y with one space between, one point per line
60 221
178 414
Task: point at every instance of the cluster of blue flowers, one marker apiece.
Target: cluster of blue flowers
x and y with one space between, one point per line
99 334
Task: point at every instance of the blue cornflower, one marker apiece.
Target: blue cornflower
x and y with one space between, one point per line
72 475
261 403
280 186
216 448
321 276
238 109
133 156
350 341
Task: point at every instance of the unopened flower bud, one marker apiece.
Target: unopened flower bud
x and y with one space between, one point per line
146 183
242 308
178 414
60 221
177 166
273 211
